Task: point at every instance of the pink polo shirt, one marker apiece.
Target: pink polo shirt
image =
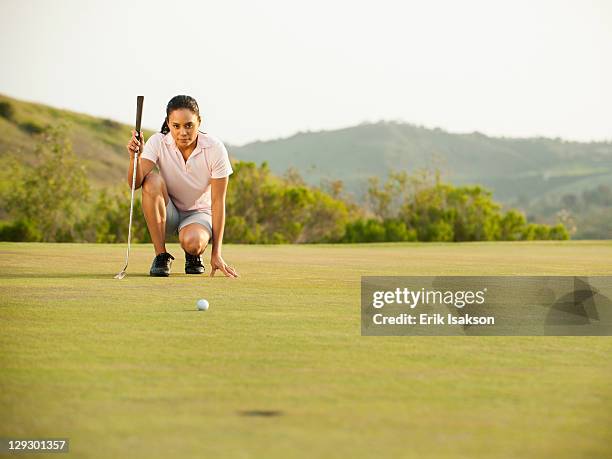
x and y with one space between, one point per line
188 182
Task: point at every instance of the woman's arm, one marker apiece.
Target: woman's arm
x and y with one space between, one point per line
218 190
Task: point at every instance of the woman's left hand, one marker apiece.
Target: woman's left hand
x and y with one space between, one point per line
216 262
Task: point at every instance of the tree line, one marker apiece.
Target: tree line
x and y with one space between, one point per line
586 214
52 201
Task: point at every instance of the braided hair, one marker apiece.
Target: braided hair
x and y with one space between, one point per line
176 103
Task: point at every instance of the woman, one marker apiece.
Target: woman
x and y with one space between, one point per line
188 194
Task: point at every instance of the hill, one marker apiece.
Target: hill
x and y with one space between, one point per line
516 169
99 143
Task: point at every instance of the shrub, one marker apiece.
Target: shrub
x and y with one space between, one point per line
110 124
51 195
6 110
20 231
31 127
396 231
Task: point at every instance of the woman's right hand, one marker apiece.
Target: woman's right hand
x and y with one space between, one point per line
134 144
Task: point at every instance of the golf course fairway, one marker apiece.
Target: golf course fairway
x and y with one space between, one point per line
277 367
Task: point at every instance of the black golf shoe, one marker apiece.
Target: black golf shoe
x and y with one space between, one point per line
193 264
161 265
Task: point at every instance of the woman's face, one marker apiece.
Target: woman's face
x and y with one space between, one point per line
184 126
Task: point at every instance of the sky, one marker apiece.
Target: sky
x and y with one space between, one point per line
269 69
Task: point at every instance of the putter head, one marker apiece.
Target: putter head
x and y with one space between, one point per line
121 275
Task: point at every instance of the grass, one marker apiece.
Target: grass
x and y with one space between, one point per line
277 366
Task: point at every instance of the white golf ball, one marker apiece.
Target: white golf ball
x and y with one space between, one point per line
202 304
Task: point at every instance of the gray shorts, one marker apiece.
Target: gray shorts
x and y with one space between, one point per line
176 219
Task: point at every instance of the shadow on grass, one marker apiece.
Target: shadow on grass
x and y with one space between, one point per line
261 413
101 276
67 276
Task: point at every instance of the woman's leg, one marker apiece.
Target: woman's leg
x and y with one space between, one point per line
154 201
194 238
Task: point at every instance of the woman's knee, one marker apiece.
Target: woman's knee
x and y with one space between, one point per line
193 241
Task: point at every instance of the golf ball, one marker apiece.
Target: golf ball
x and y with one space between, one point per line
202 305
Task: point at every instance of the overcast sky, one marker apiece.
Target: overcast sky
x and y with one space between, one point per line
268 69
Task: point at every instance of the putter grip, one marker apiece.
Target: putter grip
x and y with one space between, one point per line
139 103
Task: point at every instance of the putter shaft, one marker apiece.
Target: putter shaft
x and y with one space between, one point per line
121 275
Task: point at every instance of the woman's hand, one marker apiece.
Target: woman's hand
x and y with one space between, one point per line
135 145
216 262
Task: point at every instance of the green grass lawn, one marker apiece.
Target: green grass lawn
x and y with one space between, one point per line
130 369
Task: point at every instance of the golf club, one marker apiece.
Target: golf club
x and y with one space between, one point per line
139 103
